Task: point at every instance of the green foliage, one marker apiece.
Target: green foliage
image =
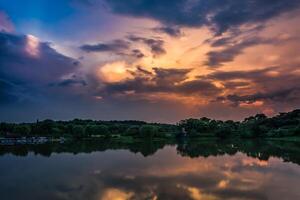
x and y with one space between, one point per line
281 133
132 131
78 131
224 131
194 127
2 133
297 130
207 127
97 130
247 134
103 130
57 132
22 130
6 127
258 126
148 131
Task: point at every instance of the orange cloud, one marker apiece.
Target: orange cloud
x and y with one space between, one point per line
32 46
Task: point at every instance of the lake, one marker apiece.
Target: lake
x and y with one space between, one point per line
112 170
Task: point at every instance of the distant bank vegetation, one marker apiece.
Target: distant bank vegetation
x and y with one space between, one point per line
258 126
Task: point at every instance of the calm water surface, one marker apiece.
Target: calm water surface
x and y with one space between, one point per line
166 173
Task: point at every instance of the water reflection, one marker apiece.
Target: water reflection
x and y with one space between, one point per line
201 170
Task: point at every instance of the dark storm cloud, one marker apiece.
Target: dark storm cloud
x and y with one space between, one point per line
234 46
199 87
233 36
16 64
267 86
137 53
156 45
172 31
281 87
73 81
170 76
217 58
276 96
7 93
123 48
161 81
220 15
23 73
114 46
248 75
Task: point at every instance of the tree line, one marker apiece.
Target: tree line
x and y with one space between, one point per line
282 125
79 129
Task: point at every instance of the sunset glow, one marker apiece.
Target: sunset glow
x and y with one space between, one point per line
32 45
215 59
113 72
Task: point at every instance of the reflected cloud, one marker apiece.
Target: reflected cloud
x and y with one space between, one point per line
223 184
170 173
116 194
197 194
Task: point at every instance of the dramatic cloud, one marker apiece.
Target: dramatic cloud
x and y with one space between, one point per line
16 63
236 43
170 76
27 64
278 96
7 92
216 58
235 87
172 31
137 53
156 45
123 48
5 23
218 15
114 46
72 81
173 81
273 85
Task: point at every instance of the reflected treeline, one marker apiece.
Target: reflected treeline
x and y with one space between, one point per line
289 151
262 149
146 148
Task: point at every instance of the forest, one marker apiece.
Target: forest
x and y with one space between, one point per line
258 126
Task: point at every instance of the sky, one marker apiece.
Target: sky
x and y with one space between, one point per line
152 60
